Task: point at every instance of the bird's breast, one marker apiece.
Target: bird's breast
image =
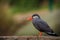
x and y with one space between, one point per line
36 25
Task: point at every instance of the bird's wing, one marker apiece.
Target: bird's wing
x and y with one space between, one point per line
44 26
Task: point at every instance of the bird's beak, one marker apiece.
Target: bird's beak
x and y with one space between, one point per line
29 18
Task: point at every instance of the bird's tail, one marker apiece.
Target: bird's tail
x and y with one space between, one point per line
52 34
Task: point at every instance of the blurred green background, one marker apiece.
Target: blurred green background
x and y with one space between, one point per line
13 14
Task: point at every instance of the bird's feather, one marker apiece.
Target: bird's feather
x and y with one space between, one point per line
43 27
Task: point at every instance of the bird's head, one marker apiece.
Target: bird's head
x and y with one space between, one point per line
33 17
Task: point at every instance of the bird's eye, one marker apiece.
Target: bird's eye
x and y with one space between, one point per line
35 17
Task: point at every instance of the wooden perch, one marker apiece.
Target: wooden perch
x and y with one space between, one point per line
29 38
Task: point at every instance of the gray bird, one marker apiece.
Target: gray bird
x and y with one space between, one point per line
41 25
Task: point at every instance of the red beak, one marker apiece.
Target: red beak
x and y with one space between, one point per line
29 18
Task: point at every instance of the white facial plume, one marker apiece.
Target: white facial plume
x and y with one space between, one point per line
35 17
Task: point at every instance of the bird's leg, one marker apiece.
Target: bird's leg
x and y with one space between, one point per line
40 33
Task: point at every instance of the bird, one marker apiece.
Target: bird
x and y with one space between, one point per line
41 25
